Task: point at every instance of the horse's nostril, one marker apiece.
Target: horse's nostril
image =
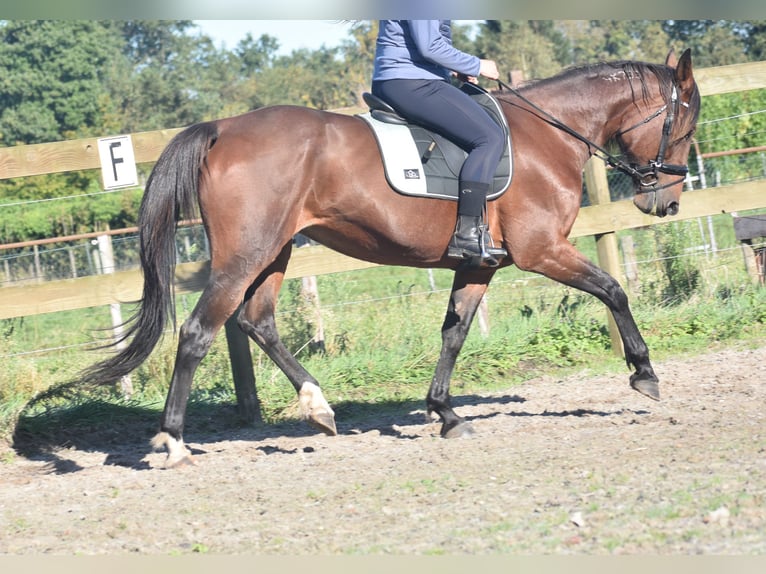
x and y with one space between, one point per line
673 208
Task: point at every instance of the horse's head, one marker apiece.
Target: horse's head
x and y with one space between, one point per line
656 134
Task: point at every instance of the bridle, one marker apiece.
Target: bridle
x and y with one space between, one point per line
646 177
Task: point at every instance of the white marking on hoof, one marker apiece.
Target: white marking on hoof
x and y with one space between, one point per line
178 454
315 409
312 401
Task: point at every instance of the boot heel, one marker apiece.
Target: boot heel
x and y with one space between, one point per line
458 253
472 243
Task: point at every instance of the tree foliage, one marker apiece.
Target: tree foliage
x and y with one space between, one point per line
52 79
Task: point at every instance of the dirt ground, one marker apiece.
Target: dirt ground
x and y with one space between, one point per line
581 465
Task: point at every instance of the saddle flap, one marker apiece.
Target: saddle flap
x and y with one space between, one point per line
404 169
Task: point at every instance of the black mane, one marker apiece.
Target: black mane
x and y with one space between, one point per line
636 71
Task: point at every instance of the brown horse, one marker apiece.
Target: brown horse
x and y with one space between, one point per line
260 178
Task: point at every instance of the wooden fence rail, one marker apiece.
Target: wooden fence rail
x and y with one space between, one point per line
80 154
126 286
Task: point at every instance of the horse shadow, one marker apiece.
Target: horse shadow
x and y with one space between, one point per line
123 430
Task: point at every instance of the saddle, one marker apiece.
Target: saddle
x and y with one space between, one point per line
422 163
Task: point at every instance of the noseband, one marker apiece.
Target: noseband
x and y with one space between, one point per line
645 177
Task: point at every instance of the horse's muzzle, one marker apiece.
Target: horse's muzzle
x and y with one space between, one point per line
656 203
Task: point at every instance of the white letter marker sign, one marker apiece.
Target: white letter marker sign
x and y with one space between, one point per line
118 162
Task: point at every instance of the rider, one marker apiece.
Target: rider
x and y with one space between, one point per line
413 63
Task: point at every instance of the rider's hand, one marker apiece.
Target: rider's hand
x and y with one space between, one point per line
464 78
488 69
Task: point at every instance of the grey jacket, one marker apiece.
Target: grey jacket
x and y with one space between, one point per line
418 50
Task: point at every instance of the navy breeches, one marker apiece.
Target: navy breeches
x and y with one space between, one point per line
440 106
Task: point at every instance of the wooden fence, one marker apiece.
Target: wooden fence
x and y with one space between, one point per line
602 219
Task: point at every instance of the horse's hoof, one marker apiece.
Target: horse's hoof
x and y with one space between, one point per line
178 455
323 422
315 410
461 430
647 387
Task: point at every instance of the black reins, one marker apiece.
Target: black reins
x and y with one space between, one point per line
645 176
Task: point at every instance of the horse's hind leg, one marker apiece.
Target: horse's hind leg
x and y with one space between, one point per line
467 290
195 337
257 320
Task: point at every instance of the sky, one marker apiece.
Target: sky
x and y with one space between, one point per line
291 34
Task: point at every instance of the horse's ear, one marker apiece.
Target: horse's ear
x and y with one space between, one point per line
684 76
671 59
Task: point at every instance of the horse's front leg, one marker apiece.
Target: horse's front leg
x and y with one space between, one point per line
468 287
565 264
643 380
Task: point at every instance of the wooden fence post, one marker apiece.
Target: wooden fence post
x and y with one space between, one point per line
38 268
751 263
629 258
106 258
606 243
310 294
482 315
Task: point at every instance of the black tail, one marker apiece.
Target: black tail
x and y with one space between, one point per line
170 195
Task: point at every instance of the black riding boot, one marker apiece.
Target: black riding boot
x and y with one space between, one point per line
472 242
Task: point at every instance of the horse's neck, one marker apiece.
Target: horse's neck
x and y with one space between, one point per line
591 106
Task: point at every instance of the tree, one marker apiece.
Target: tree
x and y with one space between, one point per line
516 45
53 76
358 54
316 79
170 77
623 40
713 42
256 55
756 41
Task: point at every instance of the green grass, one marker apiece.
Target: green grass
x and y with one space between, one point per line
382 336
